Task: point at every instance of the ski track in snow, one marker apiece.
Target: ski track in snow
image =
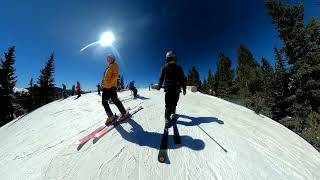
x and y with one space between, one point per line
220 140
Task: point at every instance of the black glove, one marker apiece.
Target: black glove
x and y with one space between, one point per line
184 92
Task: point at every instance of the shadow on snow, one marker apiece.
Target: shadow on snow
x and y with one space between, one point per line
141 137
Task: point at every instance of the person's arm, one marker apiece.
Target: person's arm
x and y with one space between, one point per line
161 79
103 76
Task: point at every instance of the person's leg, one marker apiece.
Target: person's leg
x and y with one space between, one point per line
135 92
167 109
169 100
175 102
116 101
105 97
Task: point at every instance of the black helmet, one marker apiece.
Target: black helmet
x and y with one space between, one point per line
171 57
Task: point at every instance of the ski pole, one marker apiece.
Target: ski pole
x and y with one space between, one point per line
213 139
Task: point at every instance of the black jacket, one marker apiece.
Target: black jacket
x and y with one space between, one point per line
172 78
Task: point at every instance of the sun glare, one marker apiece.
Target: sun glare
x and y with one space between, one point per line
107 39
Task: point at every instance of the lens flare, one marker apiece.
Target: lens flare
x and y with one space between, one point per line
106 39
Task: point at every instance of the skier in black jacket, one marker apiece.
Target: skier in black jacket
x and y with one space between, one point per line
172 78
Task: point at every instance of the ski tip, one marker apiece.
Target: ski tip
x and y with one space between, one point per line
161 159
77 142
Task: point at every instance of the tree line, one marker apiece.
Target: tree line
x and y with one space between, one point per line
289 91
16 103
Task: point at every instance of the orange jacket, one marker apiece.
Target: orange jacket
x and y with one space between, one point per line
110 78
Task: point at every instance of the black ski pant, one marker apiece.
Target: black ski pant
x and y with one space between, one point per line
135 92
78 92
111 93
171 99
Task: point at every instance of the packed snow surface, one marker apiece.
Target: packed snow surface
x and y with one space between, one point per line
220 140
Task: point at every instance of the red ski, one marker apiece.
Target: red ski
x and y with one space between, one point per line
89 136
106 129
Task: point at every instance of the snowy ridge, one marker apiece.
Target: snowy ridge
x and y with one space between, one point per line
220 140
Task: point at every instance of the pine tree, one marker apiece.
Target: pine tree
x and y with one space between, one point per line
31 83
199 85
3 114
31 95
249 80
1 77
223 76
46 82
280 88
193 77
248 73
8 82
204 87
267 70
210 83
309 74
289 23
301 47
268 76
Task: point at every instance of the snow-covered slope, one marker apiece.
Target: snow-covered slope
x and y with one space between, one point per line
220 140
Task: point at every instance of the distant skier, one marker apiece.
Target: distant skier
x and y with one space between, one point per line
78 88
109 91
73 90
173 79
99 88
133 89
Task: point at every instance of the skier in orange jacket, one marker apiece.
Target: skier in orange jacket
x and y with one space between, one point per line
109 91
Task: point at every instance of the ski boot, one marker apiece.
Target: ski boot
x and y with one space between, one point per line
124 116
110 120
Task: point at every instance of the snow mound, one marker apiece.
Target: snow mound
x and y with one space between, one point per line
220 140
23 90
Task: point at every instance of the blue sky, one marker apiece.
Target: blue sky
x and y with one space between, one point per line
144 31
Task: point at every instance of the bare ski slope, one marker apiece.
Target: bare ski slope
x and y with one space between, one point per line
220 140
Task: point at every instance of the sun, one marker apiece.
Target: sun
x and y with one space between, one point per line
106 39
